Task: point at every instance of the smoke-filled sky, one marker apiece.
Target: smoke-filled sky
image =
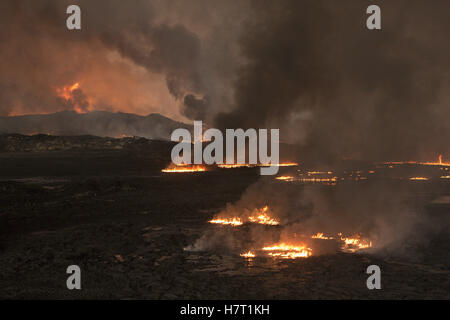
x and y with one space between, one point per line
141 56
310 68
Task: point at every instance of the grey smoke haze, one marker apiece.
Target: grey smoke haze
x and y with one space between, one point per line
380 211
137 56
337 89
96 123
310 68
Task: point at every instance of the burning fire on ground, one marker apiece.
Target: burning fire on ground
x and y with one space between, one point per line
330 178
287 164
230 221
248 254
349 244
287 250
260 216
290 248
440 162
320 235
285 178
418 179
234 166
281 250
246 165
184 168
200 168
263 218
354 243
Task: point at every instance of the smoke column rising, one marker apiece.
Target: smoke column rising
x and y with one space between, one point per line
136 56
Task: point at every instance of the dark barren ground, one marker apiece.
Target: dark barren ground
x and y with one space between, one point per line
125 224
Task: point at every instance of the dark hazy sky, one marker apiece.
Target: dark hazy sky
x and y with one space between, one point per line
310 68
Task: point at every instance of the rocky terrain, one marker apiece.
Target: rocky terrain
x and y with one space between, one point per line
104 205
97 123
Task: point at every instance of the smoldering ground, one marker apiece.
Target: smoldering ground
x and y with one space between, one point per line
381 211
337 90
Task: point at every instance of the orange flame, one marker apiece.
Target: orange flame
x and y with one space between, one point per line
234 166
354 243
248 255
440 162
288 251
285 178
261 217
247 165
184 168
320 235
66 93
232 221
287 164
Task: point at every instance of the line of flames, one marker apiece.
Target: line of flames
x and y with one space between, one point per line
261 217
200 168
247 165
292 251
184 168
350 244
440 162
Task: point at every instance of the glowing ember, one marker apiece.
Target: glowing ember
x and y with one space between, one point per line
349 244
418 178
354 243
287 251
438 163
261 217
248 255
285 178
320 235
264 218
246 165
184 168
334 179
288 164
233 166
318 172
232 221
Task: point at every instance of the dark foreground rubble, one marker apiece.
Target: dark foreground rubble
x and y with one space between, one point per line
127 228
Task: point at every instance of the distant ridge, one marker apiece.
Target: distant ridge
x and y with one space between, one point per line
97 123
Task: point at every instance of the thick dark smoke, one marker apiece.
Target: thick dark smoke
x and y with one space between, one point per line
379 211
195 108
138 56
310 68
340 90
